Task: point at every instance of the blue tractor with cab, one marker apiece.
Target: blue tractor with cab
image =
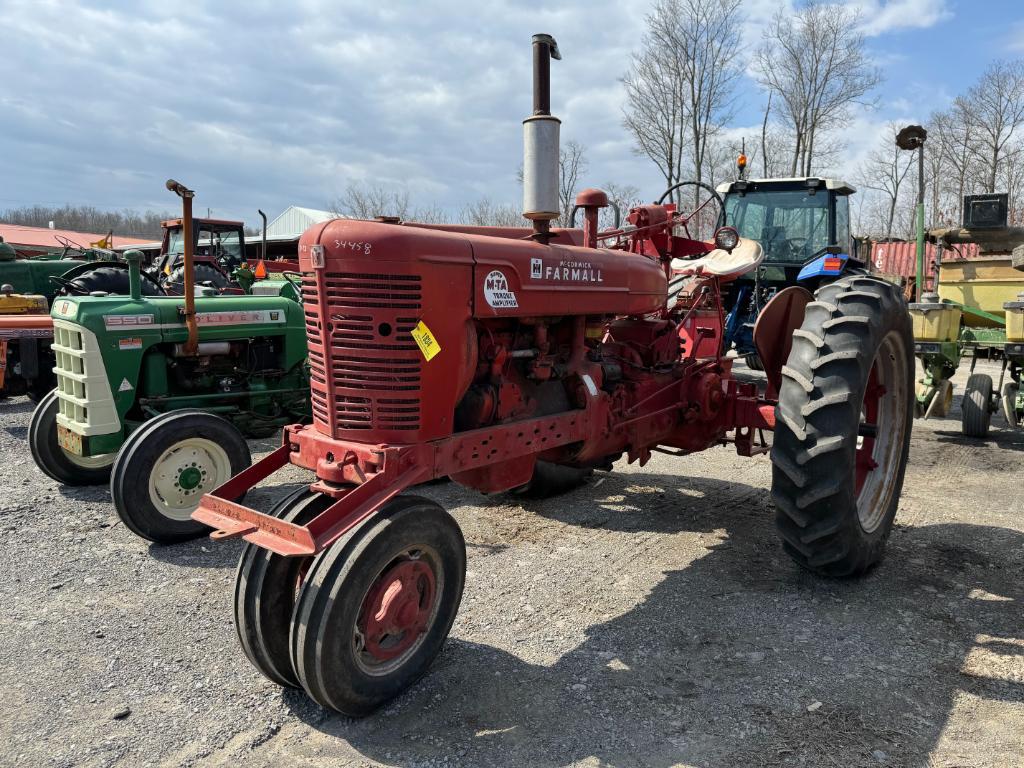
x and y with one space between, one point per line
803 225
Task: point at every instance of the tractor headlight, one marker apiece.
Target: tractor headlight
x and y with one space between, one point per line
727 238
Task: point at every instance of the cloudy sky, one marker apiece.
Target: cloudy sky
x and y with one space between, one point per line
264 104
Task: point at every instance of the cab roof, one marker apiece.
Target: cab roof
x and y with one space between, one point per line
173 223
833 185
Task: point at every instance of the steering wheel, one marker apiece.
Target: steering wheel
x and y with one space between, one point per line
796 244
291 276
707 187
67 242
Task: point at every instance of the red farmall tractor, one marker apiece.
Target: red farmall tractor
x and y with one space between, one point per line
492 355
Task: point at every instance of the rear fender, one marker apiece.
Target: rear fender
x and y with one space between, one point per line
773 331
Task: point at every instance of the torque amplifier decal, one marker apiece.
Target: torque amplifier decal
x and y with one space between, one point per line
425 341
497 292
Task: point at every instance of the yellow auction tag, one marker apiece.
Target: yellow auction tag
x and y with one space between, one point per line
425 341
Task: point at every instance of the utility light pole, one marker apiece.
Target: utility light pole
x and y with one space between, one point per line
912 137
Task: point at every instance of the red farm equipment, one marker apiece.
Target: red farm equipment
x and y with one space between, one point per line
489 355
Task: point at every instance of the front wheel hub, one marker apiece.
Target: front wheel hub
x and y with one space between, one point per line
184 472
397 610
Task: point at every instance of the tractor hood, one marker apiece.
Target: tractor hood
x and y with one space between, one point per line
219 317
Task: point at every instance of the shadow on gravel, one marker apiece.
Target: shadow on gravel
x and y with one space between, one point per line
999 437
739 659
205 553
199 553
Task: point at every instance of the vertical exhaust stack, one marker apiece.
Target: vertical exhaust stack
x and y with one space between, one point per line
540 144
188 240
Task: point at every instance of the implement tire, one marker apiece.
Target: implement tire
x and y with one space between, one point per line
843 426
976 406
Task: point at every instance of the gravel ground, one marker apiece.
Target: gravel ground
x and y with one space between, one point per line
647 619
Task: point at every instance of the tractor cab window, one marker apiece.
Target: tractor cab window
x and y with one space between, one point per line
791 225
843 222
220 243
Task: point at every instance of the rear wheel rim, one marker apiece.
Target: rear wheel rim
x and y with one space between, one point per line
184 472
397 611
881 433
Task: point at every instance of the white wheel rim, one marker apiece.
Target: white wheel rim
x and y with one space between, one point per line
184 472
90 462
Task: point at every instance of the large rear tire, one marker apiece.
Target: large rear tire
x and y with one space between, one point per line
55 462
166 466
174 283
112 280
266 588
976 408
843 426
377 606
553 480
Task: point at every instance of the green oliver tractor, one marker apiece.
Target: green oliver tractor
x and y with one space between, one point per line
158 393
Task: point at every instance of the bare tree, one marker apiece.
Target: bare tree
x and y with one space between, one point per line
485 213
996 104
366 201
625 196
815 61
884 172
86 218
764 135
573 162
679 89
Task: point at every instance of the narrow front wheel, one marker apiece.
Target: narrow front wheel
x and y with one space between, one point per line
376 606
266 588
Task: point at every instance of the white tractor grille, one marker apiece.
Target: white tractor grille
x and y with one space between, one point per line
86 404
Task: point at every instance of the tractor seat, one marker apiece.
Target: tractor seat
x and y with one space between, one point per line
723 264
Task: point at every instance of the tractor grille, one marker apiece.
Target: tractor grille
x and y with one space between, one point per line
368 353
86 404
72 384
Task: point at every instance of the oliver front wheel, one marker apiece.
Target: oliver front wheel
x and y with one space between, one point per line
166 466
